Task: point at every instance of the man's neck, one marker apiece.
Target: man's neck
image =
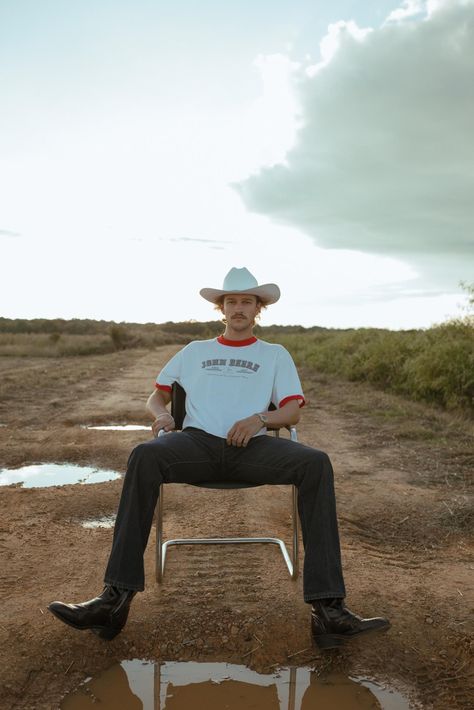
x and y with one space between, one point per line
231 334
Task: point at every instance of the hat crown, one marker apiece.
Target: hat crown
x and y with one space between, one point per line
242 281
239 280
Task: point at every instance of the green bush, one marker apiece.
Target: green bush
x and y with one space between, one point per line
435 365
443 372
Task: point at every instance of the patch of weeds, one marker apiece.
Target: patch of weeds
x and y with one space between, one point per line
459 515
440 471
390 413
417 529
415 432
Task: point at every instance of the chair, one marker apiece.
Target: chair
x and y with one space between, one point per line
178 410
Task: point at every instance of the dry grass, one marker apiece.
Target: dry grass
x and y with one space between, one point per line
50 345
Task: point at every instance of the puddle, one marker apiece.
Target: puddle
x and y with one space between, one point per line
107 521
119 427
143 685
54 474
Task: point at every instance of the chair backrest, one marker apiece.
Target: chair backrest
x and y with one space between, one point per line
178 404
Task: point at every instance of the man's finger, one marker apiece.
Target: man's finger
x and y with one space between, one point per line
231 434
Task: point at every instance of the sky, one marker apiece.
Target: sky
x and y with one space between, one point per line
147 147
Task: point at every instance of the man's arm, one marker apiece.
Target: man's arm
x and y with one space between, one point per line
156 405
288 415
243 430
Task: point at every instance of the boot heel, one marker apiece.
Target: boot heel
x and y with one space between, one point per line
107 633
328 641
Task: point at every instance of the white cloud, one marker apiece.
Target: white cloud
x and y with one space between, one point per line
333 40
384 159
9 233
409 8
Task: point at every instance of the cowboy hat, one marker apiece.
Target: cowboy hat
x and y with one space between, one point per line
242 281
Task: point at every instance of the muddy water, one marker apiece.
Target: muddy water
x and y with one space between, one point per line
107 521
141 685
53 474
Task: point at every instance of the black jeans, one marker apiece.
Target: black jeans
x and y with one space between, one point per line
193 455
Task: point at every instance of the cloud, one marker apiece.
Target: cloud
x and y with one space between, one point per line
9 233
409 8
383 161
202 241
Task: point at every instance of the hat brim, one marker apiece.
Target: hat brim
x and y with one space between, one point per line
267 293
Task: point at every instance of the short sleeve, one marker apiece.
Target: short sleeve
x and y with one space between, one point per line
286 385
170 373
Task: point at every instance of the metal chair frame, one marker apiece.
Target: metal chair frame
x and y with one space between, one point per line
178 410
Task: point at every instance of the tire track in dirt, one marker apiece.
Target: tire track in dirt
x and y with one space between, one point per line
123 395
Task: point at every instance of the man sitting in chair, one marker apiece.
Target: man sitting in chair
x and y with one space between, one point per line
230 382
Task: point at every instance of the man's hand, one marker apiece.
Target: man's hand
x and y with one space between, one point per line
243 430
163 421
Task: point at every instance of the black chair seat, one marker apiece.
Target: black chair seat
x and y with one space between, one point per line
225 485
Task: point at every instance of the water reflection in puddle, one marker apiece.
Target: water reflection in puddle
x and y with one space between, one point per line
119 427
140 685
54 474
107 521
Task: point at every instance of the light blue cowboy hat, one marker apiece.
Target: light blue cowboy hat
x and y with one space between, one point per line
242 281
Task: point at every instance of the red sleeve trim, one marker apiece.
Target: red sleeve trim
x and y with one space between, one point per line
166 388
293 396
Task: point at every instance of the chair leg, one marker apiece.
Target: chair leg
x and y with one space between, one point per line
159 538
295 531
161 548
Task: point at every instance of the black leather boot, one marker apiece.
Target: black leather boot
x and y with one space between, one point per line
105 615
332 623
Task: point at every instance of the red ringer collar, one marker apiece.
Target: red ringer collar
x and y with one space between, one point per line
236 343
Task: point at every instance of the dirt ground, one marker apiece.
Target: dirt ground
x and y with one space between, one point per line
404 489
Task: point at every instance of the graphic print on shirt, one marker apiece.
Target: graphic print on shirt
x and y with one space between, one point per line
229 367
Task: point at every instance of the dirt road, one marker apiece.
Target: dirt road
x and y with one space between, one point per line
404 489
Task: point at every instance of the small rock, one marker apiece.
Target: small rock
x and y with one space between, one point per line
234 630
429 620
224 639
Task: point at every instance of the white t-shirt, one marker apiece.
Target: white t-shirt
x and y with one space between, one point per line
227 380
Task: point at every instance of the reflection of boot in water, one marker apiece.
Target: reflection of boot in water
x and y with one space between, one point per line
335 690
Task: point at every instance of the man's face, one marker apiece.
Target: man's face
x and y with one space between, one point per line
240 310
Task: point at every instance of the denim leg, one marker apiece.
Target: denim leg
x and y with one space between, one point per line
185 457
271 460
